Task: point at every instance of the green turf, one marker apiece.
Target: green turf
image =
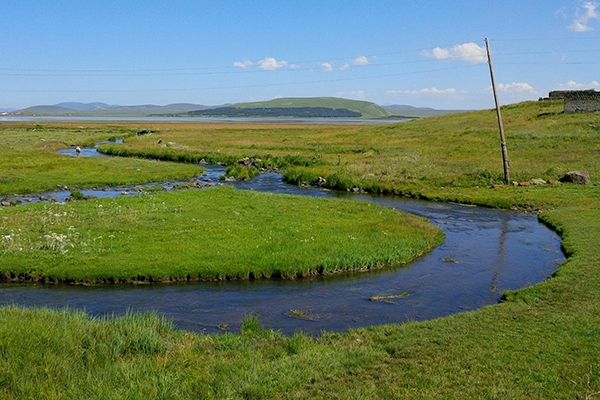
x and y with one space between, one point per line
30 162
542 343
211 234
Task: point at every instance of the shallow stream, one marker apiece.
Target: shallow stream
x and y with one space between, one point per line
485 253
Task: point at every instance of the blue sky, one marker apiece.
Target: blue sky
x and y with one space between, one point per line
426 53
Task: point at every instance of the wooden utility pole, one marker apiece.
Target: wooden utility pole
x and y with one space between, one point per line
502 139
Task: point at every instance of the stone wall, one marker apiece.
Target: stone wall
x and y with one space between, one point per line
577 101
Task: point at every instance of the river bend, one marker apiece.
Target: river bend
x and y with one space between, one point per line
485 253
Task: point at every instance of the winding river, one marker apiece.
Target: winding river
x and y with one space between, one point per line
485 253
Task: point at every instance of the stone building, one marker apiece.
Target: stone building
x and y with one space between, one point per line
577 101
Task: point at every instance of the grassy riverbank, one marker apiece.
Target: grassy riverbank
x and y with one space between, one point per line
541 343
440 154
213 234
30 163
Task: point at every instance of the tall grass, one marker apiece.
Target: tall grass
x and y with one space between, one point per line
213 234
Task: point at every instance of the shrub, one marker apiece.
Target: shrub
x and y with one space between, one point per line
77 195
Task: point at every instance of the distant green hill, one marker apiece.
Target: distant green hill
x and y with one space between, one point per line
366 109
300 107
102 110
417 112
84 106
276 112
47 110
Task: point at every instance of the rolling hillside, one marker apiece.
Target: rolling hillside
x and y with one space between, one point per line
307 107
365 108
102 110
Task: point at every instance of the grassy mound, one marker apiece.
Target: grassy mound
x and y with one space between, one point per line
213 234
365 108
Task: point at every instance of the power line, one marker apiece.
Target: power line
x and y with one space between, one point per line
291 67
236 70
82 73
219 69
241 86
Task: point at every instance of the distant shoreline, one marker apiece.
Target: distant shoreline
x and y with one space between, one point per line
204 119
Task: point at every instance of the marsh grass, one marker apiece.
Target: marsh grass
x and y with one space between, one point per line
242 173
389 298
213 234
541 342
458 151
31 164
77 195
302 314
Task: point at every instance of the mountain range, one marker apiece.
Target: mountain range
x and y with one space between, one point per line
367 110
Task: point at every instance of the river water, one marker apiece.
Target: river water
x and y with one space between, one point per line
485 253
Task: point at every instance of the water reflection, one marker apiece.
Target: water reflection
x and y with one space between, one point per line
485 253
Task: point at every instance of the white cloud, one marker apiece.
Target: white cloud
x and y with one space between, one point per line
361 60
356 94
271 64
243 64
470 52
435 90
586 13
327 66
425 91
440 54
516 87
572 85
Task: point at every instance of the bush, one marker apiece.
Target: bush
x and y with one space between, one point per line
77 195
242 173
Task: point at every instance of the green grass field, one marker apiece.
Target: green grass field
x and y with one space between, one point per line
212 234
30 163
447 154
541 343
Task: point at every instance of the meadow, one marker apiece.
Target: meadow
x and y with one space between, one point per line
212 234
30 163
438 158
540 342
